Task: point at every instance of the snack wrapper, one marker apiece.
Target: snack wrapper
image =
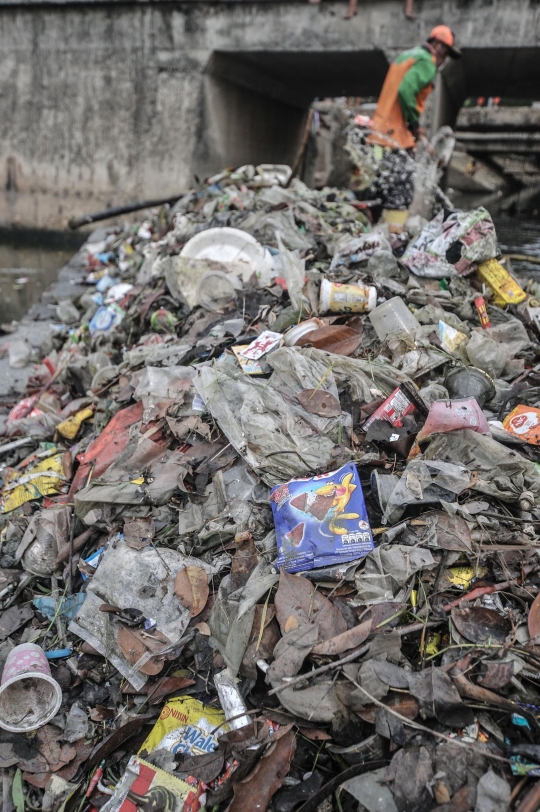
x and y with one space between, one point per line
144 786
524 422
45 478
321 520
185 725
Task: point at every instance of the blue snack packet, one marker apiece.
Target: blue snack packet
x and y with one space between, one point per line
321 520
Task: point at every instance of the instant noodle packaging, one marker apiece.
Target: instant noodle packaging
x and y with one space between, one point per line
524 422
144 786
185 725
321 520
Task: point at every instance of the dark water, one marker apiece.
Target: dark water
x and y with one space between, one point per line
29 262
517 221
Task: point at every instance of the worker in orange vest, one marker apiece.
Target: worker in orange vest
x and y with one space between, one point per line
396 122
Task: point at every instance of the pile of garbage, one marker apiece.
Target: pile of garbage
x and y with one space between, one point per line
270 514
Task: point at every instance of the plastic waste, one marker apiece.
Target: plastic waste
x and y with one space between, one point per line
506 290
463 382
524 422
66 312
19 354
393 319
486 354
450 415
338 298
453 242
29 696
238 249
426 482
321 521
216 289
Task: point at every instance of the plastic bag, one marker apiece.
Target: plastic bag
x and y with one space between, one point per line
19 353
487 354
501 472
455 244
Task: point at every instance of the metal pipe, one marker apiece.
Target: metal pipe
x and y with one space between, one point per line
86 219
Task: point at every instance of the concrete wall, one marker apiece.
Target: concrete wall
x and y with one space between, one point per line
104 103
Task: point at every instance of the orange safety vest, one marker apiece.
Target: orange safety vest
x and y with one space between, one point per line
390 129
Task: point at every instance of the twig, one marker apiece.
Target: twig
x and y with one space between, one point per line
488 590
423 728
323 669
70 566
57 608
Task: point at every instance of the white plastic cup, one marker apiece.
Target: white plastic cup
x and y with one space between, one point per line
338 298
393 319
29 696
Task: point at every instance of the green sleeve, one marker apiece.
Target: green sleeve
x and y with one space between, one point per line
419 76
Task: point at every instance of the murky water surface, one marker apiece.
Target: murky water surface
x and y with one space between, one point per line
29 262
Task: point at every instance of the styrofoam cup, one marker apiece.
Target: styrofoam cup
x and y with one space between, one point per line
29 696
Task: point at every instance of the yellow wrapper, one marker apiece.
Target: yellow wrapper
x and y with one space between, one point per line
69 427
32 485
185 725
462 576
506 289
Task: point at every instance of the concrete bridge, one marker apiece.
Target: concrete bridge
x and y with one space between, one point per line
104 101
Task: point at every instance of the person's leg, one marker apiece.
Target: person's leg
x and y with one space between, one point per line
352 10
398 174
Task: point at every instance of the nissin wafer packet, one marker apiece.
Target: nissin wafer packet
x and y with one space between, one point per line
321 520
185 725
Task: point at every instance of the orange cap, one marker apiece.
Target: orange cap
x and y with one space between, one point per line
444 34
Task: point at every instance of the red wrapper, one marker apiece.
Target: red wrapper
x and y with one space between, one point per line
482 312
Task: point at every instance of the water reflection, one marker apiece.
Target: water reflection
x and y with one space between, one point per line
29 263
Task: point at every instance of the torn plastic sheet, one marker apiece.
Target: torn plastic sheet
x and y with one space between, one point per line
232 616
234 501
124 483
500 471
45 537
388 569
107 446
138 579
426 482
266 424
164 385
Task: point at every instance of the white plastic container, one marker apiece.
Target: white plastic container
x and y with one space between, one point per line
301 330
393 319
338 298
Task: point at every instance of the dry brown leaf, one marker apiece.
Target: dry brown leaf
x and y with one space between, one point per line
481 625
298 597
255 791
192 590
133 649
314 734
203 628
320 402
342 642
335 338
290 624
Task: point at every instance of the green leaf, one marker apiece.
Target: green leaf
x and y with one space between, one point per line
17 793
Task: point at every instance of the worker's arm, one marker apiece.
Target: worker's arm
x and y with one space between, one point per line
419 76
